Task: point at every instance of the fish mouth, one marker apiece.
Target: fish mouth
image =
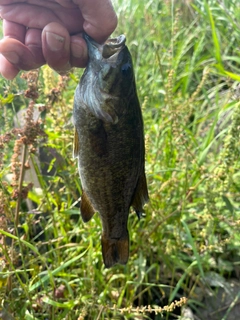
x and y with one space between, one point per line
110 49
113 46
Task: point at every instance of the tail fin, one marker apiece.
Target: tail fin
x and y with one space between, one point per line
115 250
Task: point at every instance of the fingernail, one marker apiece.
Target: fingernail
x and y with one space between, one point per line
64 69
11 57
54 41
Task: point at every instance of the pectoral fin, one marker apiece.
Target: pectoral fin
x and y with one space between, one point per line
140 196
86 208
75 144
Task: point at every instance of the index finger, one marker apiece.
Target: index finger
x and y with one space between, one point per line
100 19
38 16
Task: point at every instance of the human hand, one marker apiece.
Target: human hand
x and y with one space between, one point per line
37 32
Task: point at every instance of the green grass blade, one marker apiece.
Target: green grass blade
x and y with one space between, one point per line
214 34
56 271
192 243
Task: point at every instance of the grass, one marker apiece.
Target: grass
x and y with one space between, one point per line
187 66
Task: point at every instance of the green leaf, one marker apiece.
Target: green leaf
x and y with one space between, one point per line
8 99
53 303
228 204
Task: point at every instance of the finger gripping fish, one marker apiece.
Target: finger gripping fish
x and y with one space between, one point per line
109 144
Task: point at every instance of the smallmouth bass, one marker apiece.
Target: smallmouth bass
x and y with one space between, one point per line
109 144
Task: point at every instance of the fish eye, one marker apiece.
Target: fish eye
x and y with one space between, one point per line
126 69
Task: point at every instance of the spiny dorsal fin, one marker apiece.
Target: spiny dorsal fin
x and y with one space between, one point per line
75 144
86 208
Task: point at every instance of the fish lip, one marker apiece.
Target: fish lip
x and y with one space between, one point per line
108 50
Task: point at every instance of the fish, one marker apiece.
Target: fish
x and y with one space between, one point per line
109 144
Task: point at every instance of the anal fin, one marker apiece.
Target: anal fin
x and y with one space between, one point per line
86 208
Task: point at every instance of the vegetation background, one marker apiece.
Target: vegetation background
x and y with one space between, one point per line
187 65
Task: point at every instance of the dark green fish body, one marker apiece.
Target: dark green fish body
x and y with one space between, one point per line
109 144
